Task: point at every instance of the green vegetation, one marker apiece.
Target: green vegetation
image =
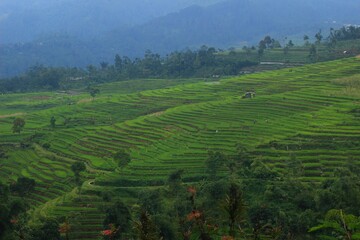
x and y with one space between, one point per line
77 168
18 125
52 122
122 158
93 92
206 62
197 160
343 226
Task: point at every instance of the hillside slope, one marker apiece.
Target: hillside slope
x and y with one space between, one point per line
310 112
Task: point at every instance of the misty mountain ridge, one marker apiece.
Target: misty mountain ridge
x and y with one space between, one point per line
231 22
22 21
98 34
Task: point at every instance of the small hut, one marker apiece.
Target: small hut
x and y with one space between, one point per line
249 95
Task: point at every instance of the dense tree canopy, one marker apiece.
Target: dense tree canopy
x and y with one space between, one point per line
23 186
18 125
122 158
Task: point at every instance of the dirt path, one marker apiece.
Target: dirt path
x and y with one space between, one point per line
12 115
156 114
358 56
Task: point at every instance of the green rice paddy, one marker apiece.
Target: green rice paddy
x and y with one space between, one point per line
309 113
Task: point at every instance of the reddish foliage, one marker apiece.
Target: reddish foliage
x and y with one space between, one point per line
227 238
64 228
14 221
213 227
110 232
195 214
192 190
107 232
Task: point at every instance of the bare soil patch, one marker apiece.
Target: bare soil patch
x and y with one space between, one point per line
358 56
157 114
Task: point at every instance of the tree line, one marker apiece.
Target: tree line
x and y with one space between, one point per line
204 62
239 197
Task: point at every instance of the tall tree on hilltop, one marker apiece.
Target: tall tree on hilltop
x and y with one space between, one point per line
306 40
313 53
318 37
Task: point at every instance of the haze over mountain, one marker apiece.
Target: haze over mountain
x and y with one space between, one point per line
234 21
22 20
82 32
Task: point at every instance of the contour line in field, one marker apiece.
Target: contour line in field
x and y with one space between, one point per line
12 115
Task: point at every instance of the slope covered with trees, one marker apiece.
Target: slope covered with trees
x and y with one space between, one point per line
206 62
67 33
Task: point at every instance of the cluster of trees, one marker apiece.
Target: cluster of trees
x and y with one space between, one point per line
77 168
242 198
122 158
13 207
335 36
204 62
345 33
18 125
14 221
39 78
267 43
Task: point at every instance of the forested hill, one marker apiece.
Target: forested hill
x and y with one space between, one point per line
79 33
231 22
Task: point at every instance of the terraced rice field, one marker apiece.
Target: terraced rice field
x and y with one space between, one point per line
310 114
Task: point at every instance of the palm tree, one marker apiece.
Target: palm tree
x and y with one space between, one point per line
235 208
